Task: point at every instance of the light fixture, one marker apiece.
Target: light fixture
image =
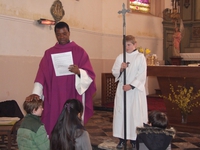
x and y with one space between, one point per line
46 21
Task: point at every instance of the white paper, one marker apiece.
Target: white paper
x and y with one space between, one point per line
61 63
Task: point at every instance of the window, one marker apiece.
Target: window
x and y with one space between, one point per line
140 5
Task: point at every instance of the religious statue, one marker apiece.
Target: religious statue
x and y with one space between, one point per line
176 42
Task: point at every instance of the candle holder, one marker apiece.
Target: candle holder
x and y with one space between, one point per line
175 15
174 12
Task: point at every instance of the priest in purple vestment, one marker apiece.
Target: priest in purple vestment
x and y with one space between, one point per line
55 87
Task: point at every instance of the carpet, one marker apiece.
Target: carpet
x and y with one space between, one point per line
154 102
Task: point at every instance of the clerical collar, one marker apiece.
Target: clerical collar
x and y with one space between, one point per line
134 50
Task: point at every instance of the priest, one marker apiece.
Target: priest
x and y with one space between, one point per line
55 86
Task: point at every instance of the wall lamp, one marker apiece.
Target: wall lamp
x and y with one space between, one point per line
46 21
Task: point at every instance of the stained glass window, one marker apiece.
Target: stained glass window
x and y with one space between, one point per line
140 5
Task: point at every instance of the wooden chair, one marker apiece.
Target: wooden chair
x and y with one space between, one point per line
108 90
10 109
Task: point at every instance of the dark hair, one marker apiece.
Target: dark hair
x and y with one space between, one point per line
158 119
68 126
60 25
29 106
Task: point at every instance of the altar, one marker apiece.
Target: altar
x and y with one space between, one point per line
190 58
178 76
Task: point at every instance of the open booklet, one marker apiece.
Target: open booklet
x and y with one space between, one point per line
61 63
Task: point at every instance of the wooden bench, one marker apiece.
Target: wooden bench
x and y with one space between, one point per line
6 130
108 90
9 130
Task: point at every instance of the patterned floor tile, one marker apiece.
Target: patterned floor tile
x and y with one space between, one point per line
100 130
182 140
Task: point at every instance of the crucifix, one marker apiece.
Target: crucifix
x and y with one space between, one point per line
123 12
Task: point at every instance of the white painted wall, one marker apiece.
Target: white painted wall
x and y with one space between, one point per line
99 21
95 25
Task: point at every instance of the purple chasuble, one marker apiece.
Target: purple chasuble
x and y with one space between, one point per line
58 89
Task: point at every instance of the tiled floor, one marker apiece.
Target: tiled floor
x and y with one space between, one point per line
100 130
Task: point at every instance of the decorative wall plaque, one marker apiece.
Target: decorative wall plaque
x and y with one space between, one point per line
57 10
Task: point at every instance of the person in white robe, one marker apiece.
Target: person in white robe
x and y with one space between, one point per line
136 103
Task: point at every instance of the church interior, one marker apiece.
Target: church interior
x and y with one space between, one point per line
25 37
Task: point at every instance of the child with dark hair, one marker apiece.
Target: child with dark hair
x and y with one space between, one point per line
69 133
158 119
31 134
155 135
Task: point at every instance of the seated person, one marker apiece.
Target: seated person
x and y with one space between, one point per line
155 135
69 132
31 134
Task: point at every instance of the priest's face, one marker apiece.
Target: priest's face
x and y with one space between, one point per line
62 35
130 47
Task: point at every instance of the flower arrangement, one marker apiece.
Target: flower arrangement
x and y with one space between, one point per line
145 51
184 98
152 59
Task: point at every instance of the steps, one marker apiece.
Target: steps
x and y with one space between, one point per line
155 102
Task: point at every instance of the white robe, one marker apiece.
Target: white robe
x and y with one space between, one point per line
136 103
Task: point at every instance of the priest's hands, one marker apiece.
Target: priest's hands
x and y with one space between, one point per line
74 69
32 97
